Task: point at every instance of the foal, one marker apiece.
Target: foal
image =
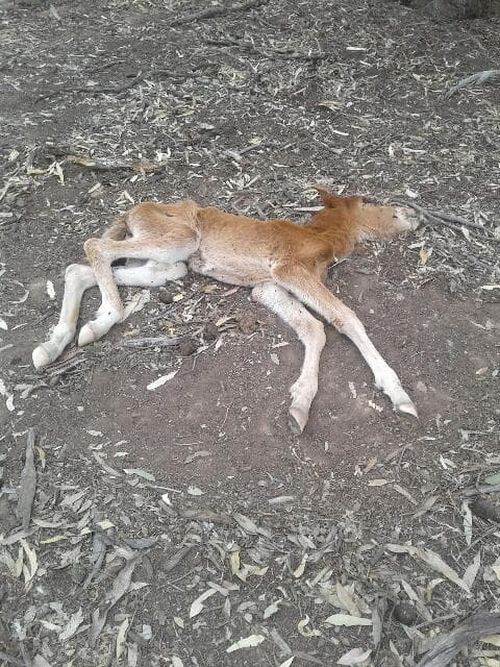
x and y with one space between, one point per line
282 262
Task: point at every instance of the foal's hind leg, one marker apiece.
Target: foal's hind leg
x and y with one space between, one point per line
79 278
312 335
166 248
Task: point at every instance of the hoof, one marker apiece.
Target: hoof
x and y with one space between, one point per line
297 420
41 357
86 335
407 408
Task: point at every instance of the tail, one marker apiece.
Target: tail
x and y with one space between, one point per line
118 229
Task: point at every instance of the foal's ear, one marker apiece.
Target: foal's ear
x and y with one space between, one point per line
328 200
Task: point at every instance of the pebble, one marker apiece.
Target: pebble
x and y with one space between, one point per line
404 613
188 347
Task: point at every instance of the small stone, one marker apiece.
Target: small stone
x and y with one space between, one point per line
485 509
421 386
166 295
404 613
210 331
187 347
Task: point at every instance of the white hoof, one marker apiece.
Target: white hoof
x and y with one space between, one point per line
297 419
407 407
41 357
86 335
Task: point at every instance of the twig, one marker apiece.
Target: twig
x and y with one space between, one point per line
276 53
212 12
482 488
447 647
96 90
457 219
160 341
28 482
479 77
442 218
64 365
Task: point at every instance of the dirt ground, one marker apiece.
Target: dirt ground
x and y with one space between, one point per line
186 525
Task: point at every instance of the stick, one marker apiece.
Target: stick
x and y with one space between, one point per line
456 218
447 647
479 77
91 91
161 341
442 218
28 482
212 12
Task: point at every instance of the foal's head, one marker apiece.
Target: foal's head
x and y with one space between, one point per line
359 218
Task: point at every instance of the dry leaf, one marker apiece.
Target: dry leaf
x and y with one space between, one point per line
72 626
248 642
122 582
305 631
467 523
345 600
247 524
433 560
354 657
121 638
197 606
470 573
161 380
271 609
50 290
378 482
347 620
234 562
299 571
140 473
136 304
39 661
29 568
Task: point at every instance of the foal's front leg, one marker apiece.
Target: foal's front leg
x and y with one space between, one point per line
311 332
315 295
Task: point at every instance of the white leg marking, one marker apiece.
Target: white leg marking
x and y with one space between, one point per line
312 334
314 294
80 277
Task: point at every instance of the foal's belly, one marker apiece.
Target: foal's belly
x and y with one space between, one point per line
233 269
